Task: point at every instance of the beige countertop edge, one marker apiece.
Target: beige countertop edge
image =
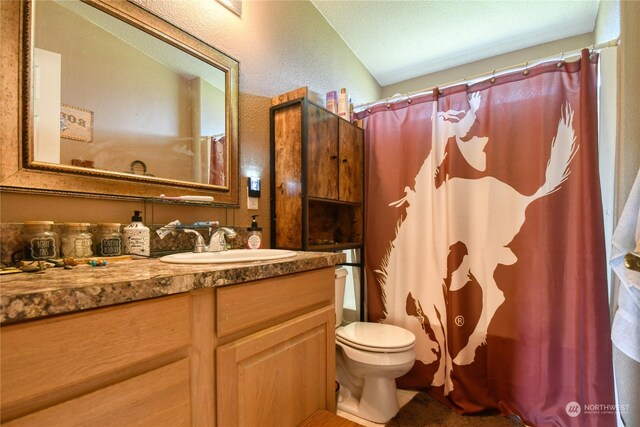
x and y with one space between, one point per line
28 296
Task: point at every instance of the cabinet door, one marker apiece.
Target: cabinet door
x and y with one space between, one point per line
322 163
278 376
351 140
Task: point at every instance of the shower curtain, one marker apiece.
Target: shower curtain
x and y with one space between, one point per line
484 237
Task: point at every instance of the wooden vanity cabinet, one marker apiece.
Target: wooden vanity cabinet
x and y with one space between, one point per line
316 178
123 365
276 352
252 354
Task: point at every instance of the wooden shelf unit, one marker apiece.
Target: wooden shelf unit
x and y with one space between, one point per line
317 176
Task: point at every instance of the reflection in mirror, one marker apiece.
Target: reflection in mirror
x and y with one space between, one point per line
110 97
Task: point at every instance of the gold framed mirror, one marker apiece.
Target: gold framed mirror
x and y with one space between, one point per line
104 99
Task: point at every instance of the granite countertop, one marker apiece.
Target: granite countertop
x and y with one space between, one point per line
26 296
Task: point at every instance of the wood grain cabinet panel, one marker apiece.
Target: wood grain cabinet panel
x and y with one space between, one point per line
322 153
46 360
351 162
156 398
287 176
265 301
278 376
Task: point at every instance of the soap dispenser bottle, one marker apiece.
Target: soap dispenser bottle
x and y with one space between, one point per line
254 241
137 239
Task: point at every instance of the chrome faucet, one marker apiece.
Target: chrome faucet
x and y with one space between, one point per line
218 240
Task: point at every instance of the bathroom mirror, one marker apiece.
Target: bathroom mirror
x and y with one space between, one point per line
115 101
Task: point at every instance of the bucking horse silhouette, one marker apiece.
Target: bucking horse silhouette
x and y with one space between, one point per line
484 214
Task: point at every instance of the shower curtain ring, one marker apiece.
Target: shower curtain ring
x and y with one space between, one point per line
388 104
408 98
526 69
493 77
559 64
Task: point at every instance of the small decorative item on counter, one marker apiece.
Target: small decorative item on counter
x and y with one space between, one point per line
69 262
137 238
332 101
56 262
108 239
34 267
41 242
254 241
77 241
97 262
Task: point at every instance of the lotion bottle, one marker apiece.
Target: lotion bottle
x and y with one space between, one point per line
254 241
137 239
343 104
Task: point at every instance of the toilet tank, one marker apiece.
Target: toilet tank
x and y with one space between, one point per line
341 280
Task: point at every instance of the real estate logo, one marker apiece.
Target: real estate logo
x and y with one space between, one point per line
573 409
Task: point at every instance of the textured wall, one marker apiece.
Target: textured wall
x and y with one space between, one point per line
281 45
607 22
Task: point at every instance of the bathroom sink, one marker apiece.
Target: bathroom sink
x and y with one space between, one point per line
233 255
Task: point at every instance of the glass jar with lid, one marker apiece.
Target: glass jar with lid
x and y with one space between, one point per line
41 241
77 240
108 240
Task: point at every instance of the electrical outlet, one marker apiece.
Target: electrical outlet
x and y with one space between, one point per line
252 202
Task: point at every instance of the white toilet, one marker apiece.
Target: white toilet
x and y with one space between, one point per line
369 358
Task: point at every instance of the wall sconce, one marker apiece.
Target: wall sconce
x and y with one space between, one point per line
234 6
253 192
254 187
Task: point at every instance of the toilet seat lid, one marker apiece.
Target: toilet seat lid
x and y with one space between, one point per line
376 336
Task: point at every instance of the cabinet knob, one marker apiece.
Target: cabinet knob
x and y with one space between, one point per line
344 160
334 157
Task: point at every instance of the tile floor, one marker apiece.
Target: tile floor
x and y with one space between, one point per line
404 396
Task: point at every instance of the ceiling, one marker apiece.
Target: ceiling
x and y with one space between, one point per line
397 40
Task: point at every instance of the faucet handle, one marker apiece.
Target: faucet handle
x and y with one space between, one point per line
200 245
218 240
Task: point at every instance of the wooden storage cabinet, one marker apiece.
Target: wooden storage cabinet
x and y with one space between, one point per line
316 178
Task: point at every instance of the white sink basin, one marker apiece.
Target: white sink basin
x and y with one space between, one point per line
233 255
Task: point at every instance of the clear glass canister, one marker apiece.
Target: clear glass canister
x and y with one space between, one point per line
40 241
77 240
108 239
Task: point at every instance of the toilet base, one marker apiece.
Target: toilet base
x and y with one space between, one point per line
378 402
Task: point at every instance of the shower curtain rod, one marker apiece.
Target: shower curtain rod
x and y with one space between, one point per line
480 77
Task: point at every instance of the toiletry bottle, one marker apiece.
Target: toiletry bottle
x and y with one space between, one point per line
137 239
254 241
332 101
343 104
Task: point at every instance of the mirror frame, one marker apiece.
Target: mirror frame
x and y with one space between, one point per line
19 173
